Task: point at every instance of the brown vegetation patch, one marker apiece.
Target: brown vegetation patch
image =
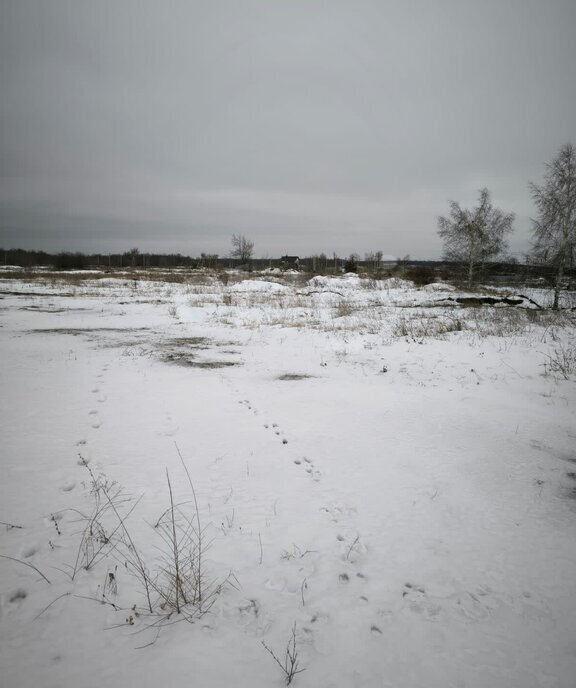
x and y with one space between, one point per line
27 294
75 331
52 309
192 342
208 365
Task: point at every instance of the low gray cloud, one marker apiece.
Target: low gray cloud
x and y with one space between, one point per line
307 125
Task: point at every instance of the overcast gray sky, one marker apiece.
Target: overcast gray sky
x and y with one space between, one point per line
307 125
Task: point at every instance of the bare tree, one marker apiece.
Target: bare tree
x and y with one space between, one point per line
474 236
555 228
242 249
209 260
134 253
373 260
319 263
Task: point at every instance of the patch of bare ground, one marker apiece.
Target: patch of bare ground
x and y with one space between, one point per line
206 365
85 330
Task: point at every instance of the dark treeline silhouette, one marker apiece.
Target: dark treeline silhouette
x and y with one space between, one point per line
68 260
420 271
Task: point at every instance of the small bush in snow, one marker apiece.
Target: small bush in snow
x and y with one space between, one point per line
343 309
178 582
424 326
290 663
561 361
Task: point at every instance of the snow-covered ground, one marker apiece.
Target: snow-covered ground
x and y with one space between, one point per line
390 474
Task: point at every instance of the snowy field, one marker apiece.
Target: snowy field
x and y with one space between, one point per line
387 473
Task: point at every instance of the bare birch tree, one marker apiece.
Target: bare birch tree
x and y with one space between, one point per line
554 230
474 236
242 249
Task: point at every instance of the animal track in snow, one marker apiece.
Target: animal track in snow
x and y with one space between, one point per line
414 590
274 426
30 551
419 603
18 595
336 511
309 468
253 618
345 578
277 431
319 617
248 404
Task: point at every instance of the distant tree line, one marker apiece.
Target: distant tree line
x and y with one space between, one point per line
68 260
419 271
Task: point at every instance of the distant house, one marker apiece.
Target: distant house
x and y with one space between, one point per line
290 262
